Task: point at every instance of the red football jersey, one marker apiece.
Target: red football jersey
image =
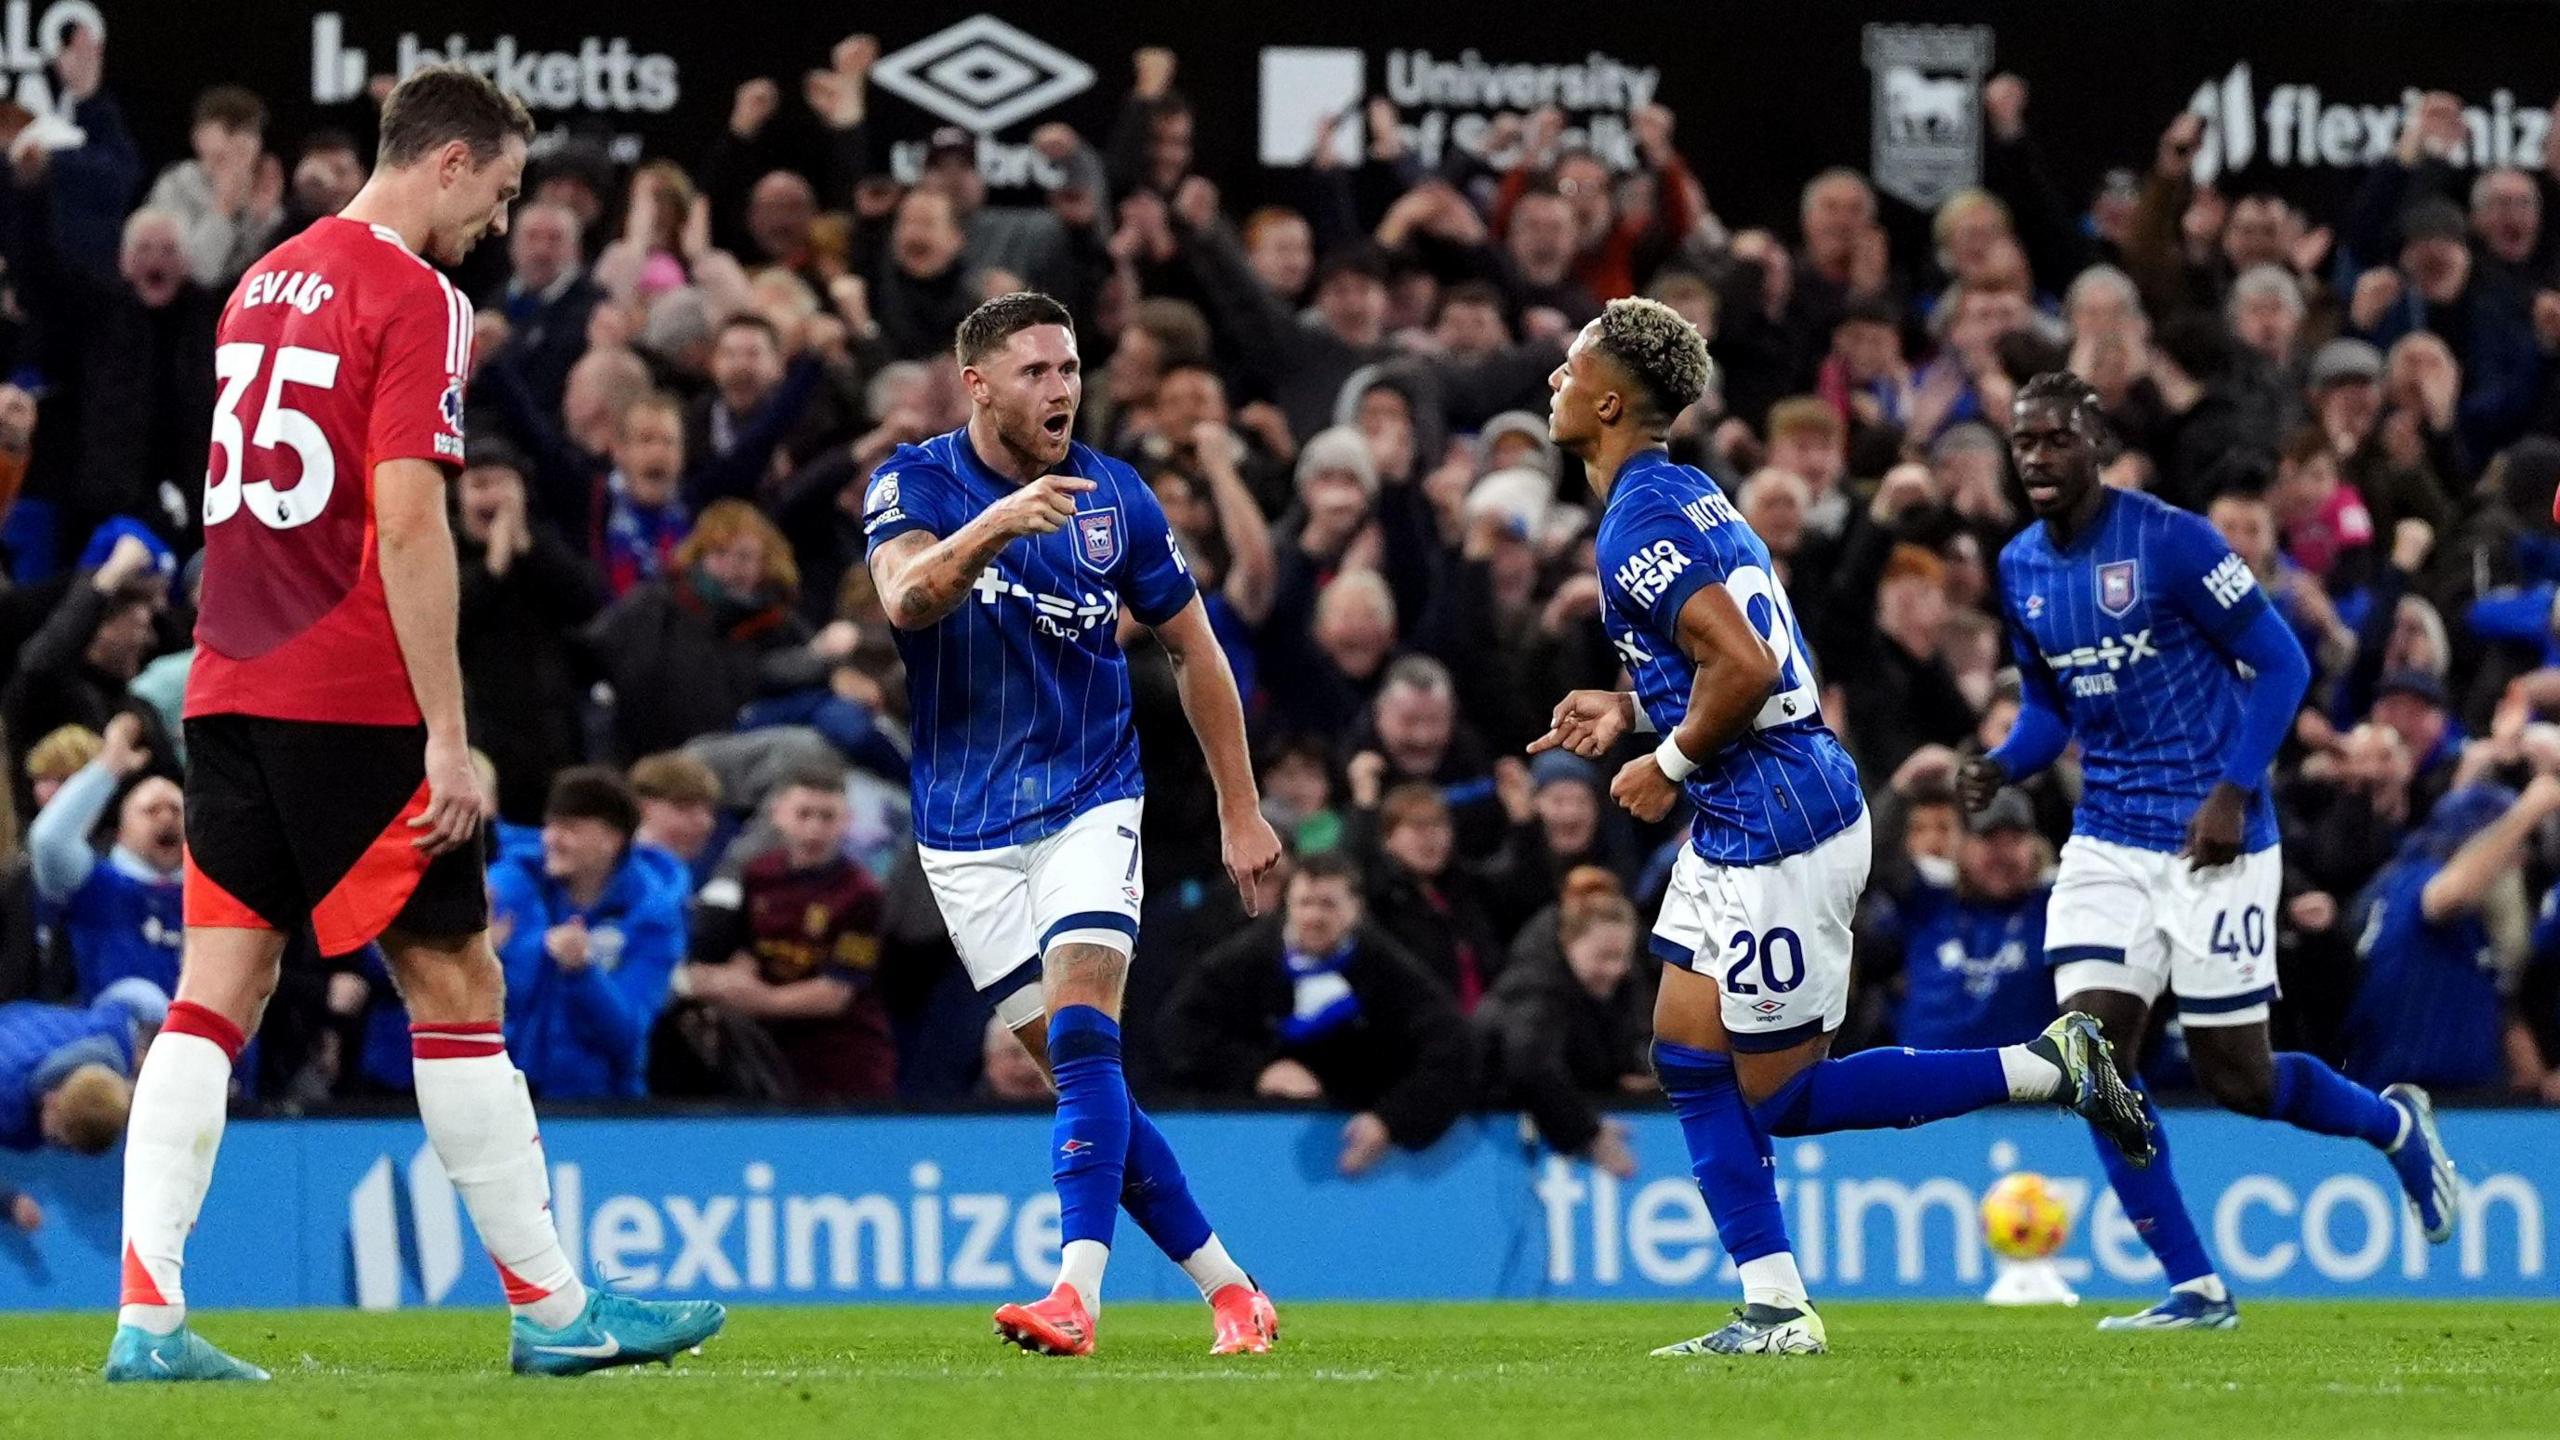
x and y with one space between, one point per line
340 350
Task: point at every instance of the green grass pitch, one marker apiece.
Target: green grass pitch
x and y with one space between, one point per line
2328 1370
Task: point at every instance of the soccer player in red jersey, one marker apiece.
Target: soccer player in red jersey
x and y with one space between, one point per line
329 780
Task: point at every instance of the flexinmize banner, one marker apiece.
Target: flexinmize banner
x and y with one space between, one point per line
861 1209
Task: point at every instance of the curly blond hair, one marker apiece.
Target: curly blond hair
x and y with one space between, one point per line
1663 353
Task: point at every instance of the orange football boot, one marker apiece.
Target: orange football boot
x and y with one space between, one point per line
1058 1325
1246 1322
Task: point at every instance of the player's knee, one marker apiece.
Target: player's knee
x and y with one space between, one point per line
234 980
451 978
2238 1086
1084 974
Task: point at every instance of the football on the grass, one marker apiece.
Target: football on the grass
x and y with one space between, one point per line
2023 1218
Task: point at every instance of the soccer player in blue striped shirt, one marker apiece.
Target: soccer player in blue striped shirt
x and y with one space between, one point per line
1004 553
2141 634
1754 934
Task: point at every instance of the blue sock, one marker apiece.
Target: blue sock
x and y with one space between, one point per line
1877 1089
1728 1154
2152 1202
1089 1144
2311 1096
1155 1194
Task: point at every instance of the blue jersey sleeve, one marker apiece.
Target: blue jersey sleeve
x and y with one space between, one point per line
1655 560
1154 577
910 491
2206 581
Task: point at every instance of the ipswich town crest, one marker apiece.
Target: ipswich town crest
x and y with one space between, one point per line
2115 587
1098 537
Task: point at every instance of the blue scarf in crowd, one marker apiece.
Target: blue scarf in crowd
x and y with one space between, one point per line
1322 1000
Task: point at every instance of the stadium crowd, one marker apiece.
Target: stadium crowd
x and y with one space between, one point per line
685 375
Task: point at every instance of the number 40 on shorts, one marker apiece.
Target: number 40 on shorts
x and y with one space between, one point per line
2249 937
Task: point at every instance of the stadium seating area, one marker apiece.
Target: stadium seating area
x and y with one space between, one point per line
686 373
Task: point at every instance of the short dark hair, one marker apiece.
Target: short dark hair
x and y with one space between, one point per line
593 792
1473 292
488 450
443 103
1327 865
750 320
233 107
1663 353
2077 397
1000 319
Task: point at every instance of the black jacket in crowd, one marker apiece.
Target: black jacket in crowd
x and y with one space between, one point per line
520 671
682 663
1409 1057
1554 1049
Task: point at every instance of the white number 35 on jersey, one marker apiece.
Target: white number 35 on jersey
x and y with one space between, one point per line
280 426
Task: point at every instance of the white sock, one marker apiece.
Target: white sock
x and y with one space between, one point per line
1213 1270
170 1140
1774 1280
2030 1076
2209 1286
1080 1265
481 1122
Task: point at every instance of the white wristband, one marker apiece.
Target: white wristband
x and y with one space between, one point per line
1675 765
1644 723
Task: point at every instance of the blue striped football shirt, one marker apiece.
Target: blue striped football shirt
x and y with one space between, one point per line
1784 785
1021 695
2127 637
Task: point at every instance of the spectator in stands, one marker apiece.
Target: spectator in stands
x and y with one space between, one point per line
548 298
923 284
644 516
326 175
1412 733
2488 322
229 199
66 1071
1302 366
2430 1006
1317 1006
90 170
524 593
590 929
679 799
793 944
685 653
129 357
1965 933
75 669
1568 1026
1052 247
759 402
120 911
1446 911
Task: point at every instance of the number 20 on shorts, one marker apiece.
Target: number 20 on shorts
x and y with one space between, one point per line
1764 950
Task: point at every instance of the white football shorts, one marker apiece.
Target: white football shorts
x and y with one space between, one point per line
1774 938
2141 921
1008 907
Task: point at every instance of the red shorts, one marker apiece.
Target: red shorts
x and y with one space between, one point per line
294 820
